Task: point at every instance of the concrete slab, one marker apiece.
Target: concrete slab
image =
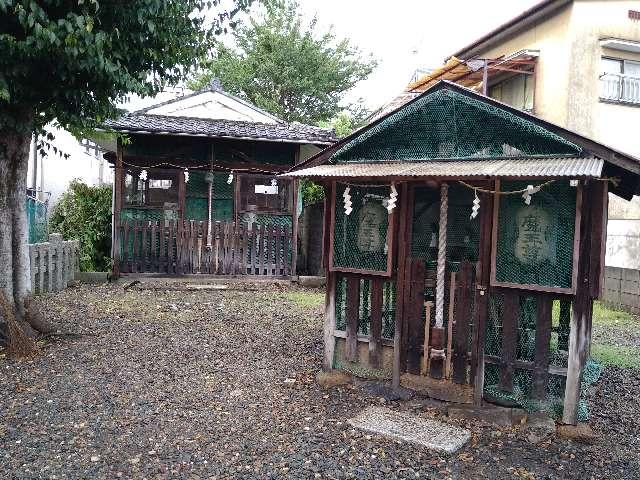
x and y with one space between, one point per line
432 434
311 281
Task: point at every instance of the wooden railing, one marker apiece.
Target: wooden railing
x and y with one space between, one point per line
179 248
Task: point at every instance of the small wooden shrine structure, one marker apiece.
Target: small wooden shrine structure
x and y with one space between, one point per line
464 244
196 188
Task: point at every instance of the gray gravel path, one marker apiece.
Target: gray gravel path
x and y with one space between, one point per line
220 384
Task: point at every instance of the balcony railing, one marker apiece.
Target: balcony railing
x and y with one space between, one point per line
620 88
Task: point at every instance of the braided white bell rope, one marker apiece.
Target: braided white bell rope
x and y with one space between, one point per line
442 254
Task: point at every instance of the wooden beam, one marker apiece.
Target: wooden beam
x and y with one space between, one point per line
401 234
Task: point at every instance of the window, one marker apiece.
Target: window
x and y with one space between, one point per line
265 194
620 80
160 189
516 91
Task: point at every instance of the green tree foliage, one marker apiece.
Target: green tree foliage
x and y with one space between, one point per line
344 123
287 67
84 213
70 62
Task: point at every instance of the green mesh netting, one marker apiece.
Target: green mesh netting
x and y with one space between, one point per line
197 194
197 209
176 149
37 218
364 313
525 350
197 187
360 238
463 233
448 124
266 219
129 214
535 242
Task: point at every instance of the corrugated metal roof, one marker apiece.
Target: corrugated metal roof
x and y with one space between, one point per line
511 167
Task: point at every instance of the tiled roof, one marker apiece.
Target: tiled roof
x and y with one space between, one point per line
512 167
169 125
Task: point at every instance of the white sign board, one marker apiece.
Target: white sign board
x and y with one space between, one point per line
267 189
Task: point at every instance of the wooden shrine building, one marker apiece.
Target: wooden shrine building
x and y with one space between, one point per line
196 191
464 244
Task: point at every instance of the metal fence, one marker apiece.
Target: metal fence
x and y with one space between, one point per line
620 88
622 289
37 219
53 264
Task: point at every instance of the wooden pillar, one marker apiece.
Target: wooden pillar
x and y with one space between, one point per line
182 187
294 228
483 273
402 235
294 222
582 311
118 184
330 295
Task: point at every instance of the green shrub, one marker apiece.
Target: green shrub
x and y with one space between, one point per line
311 192
84 213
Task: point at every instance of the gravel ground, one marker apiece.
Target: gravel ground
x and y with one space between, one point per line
220 384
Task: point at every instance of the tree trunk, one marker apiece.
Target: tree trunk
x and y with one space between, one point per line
15 275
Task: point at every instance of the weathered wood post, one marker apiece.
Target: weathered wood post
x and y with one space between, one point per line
118 182
330 307
403 233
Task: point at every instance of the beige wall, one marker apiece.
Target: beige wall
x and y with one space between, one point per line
567 85
608 123
551 76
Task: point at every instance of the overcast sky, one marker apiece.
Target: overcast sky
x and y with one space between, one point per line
407 34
